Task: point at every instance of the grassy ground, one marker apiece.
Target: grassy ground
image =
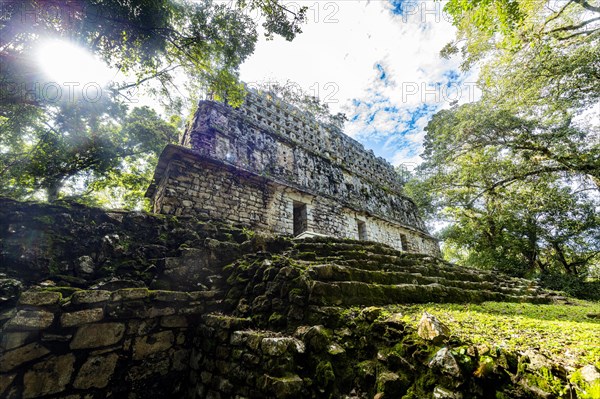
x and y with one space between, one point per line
561 332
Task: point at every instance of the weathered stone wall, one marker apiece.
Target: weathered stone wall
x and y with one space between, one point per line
271 119
293 158
230 360
337 169
83 247
197 185
98 343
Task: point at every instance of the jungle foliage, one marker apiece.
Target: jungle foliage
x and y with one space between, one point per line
103 151
516 174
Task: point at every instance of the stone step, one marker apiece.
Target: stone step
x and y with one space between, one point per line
347 262
374 254
447 272
355 293
333 272
332 246
413 267
464 278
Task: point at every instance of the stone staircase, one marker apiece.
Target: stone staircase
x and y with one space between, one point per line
352 273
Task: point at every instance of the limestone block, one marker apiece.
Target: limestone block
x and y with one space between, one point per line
149 344
92 296
432 329
277 346
39 298
156 312
81 317
590 374
97 335
141 326
222 352
223 385
444 361
316 337
174 321
48 377
96 372
283 387
223 367
149 369
443 393
206 377
537 361
213 395
15 358
238 338
335 349
181 359
172 296
129 294
11 340
200 295
5 381
48 337
85 265
7 314
30 320
391 384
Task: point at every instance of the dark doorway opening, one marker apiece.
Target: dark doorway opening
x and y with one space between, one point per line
300 218
404 242
362 230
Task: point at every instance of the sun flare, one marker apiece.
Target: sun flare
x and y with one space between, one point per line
65 62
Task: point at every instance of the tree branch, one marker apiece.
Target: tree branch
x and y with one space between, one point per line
587 5
586 32
139 82
574 27
516 178
556 15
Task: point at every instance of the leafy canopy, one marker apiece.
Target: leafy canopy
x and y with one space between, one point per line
102 150
144 39
516 175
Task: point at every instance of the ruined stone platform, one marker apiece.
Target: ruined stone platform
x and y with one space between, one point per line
98 303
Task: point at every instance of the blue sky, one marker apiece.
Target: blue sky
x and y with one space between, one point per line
376 61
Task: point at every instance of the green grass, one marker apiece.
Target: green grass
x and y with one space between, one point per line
561 332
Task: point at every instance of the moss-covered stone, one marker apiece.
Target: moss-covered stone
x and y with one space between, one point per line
97 335
39 298
30 320
148 345
76 318
48 377
325 377
92 296
269 317
391 384
96 372
14 358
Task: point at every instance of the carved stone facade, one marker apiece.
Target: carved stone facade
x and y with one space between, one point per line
276 169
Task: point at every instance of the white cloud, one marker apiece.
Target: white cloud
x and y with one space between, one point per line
339 61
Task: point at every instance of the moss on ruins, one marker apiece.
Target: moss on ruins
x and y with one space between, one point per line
156 306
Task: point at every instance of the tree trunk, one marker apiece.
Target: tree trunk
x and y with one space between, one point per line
562 258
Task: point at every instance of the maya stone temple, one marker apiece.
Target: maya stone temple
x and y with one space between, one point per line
276 169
